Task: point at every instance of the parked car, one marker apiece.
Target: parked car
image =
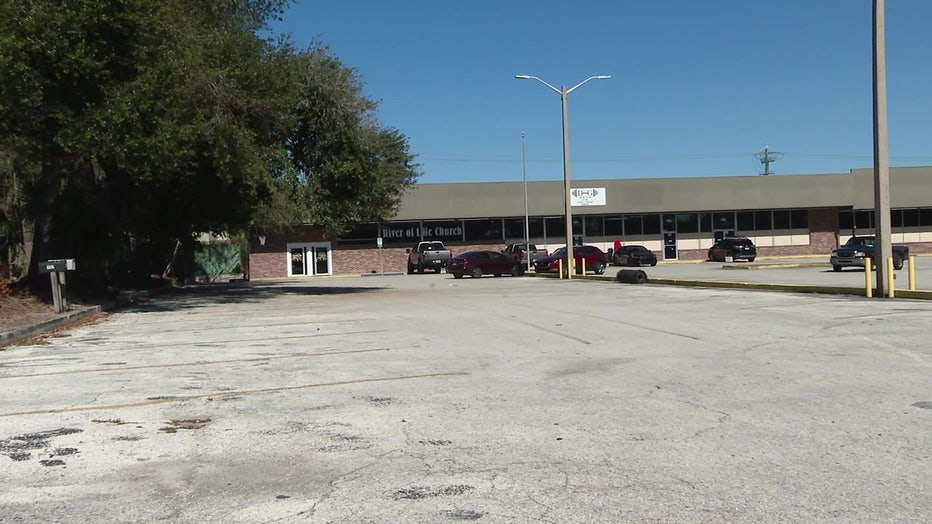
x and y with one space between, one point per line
738 248
478 263
858 250
634 256
522 250
595 258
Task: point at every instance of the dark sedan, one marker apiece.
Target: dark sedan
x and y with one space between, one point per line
735 248
595 259
478 263
634 256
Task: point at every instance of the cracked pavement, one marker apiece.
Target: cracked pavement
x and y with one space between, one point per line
421 398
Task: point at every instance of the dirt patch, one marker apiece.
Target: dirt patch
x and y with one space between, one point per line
23 310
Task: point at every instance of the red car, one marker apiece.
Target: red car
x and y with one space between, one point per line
478 263
595 258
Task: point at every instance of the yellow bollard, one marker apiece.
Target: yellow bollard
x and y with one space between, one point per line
584 266
890 276
868 278
912 272
560 266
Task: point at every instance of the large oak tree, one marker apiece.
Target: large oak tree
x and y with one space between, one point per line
129 126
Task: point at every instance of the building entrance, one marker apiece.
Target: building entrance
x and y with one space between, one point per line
309 259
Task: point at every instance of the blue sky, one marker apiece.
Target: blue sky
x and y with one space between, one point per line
698 87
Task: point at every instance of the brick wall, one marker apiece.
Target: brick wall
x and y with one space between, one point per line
269 260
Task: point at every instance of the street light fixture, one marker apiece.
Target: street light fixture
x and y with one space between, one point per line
563 92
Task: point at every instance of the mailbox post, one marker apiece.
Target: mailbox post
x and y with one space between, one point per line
56 270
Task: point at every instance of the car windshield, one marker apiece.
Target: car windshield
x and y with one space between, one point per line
860 242
559 252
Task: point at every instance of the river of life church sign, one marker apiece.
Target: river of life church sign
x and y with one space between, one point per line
410 232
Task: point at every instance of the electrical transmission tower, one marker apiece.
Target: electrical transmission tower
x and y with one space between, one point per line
767 157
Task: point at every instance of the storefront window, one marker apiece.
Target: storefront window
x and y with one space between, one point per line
361 234
723 220
634 225
763 221
556 228
781 220
925 216
489 229
863 219
651 224
514 228
687 223
910 218
594 227
614 226
799 219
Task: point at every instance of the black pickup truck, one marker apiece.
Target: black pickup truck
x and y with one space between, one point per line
859 249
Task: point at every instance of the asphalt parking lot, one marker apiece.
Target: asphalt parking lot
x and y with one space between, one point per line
421 398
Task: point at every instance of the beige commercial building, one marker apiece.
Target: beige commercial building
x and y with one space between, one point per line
677 218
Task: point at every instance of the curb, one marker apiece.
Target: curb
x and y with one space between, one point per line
18 334
758 286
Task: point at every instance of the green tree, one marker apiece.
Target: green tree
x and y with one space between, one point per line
129 126
340 166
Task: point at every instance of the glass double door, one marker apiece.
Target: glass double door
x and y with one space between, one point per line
309 259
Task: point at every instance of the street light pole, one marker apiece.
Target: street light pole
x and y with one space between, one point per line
527 222
564 92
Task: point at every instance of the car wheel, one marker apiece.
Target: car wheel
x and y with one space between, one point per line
751 259
897 263
457 275
653 262
497 275
475 273
600 268
517 270
836 267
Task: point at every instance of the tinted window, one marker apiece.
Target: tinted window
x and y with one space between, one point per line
634 225
613 227
864 219
925 216
489 229
594 226
687 223
845 220
723 220
781 220
762 221
651 224
799 218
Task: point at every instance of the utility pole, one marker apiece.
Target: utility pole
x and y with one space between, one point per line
767 157
883 246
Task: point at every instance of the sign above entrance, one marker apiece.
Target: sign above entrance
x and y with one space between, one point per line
593 196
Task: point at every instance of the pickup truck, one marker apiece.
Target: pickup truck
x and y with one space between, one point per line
517 252
858 249
428 255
